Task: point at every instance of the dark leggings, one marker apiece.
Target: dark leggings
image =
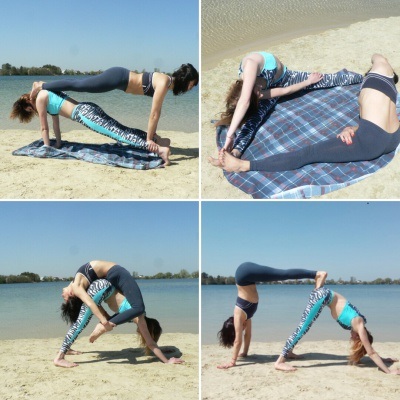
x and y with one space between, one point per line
110 79
369 143
123 281
250 273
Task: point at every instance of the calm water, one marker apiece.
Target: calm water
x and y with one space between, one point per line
179 113
32 310
280 308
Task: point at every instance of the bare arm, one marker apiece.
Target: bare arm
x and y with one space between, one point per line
374 356
142 325
285 91
247 339
41 107
57 131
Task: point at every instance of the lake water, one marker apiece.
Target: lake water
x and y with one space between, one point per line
179 113
280 308
32 310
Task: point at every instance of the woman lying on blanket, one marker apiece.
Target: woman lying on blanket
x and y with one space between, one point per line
348 318
148 329
152 84
378 131
88 114
264 77
238 327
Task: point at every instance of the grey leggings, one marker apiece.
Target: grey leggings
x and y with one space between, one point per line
249 129
369 143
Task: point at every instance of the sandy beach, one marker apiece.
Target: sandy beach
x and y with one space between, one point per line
322 374
350 47
113 367
33 178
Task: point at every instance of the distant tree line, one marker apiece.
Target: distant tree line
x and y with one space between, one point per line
30 277
230 280
48 69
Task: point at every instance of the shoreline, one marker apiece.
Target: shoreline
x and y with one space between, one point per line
329 51
34 178
112 367
323 373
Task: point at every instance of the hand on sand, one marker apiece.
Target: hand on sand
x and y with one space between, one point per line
226 366
174 360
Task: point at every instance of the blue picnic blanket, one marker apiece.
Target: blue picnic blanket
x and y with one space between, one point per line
298 121
113 154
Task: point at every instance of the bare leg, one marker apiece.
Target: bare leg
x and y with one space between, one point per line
232 164
60 361
320 279
97 332
280 364
36 88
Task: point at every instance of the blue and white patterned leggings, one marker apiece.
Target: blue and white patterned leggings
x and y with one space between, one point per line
93 117
319 298
249 129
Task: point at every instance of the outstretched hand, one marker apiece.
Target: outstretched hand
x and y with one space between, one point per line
346 135
174 360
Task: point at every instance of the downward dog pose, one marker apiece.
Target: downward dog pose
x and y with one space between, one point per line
100 290
88 114
152 84
263 76
247 274
348 317
378 131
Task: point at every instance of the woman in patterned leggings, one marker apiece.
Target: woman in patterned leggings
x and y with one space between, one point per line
264 77
100 290
88 114
348 317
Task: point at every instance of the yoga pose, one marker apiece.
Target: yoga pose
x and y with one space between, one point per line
378 131
264 77
247 275
100 290
348 318
152 84
88 114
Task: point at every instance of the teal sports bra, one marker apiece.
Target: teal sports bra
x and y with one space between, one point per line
348 313
55 102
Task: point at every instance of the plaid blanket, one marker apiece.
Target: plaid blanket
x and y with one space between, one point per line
296 122
112 154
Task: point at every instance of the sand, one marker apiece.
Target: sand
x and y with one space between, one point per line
33 178
113 368
329 51
323 374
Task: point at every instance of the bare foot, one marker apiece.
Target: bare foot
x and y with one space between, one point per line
164 153
164 142
73 352
236 153
97 332
281 365
62 362
36 88
320 279
215 162
231 163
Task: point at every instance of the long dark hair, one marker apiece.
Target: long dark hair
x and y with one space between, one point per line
182 78
226 335
232 99
70 309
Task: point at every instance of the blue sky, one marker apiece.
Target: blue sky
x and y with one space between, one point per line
347 239
56 238
98 34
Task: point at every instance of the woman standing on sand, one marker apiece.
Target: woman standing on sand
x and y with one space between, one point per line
264 77
238 327
88 114
348 317
100 290
378 131
152 84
